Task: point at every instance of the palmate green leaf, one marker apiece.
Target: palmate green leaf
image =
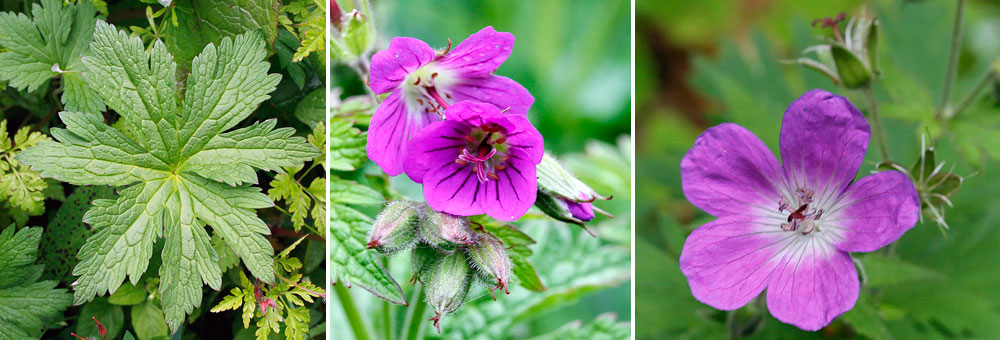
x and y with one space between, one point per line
47 45
169 183
351 262
200 23
24 303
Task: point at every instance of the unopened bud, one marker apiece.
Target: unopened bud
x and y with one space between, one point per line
445 230
561 195
490 257
852 71
448 286
358 34
395 227
423 258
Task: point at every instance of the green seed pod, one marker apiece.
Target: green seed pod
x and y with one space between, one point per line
445 231
423 259
490 257
448 285
395 227
852 71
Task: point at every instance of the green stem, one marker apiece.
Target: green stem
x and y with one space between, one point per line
969 97
956 43
413 327
353 315
876 122
386 320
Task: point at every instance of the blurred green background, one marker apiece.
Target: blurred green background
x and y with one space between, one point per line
701 63
573 56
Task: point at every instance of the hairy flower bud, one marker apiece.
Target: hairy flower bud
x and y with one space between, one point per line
562 196
490 257
849 58
448 285
395 227
445 230
423 259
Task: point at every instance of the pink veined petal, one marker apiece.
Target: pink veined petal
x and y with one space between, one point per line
476 114
502 92
391 127
391 66
526 138
480 54
434 146
876 211
453 189
729 171
509 197
729 261
812 286
823 141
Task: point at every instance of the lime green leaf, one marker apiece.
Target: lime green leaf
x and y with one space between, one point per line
24 303
347 146
297 323
23 188
128 294
147 321
350 192
49 45
352 263
159 195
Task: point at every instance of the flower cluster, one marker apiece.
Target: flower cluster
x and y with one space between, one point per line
452 125
789 227
449 254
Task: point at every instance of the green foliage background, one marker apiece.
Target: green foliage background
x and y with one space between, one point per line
707 62
573 56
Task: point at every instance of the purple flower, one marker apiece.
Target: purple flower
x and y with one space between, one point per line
477 161
423 83
789 227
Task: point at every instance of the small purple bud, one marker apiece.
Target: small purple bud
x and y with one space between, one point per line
395 227
445 230
581 210
448 285
490 257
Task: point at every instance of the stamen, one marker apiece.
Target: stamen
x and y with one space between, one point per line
417 82
480 161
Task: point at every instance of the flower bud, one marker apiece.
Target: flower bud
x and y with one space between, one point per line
561 195
851 58
445 231
852 71
395 227
448 285
358 33
490 257
423 259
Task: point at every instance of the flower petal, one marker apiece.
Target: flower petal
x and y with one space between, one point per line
812 286
729 261
823 141
454 189
392 65
502 92
581 211
481 53
876 211
729 171
526 138
391 127
434 147
509 197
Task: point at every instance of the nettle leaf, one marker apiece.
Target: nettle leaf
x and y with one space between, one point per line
168 166
25 303
352 263
49 45
347 146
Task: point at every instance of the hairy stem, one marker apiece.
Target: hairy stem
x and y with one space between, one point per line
413 327
949 76
353 314
876 123
973 93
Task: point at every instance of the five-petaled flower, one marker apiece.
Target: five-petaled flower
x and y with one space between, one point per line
479 160
788 227
424 83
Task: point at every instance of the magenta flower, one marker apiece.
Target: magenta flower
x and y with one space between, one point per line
423 83
789 227
477 161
